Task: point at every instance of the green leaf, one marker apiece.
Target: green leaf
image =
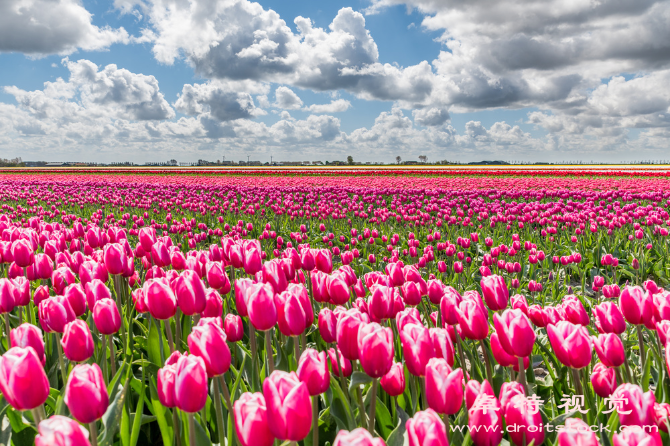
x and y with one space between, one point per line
644 381
397 437
384 420
159 411
113 385
358 378
340 408
5 425
137 422
154 347
112 417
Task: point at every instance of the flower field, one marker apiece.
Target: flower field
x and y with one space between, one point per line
335 307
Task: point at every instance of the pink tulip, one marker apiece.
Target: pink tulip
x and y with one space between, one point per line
274 275
426 429
77 341
115 258
574 310
608 318
289 406
58 430
165 385
333 288
515 333
86 393
213 304
96 290
442 344
473 389
7 294
603 380
291 314
313 371
21 291
344 367
90 270
485 420
23 253
495 292
327 325
393 382
44 266
636 437
637 306
375 349
639 405
357 437
232 325
449 306
217 277
571 344
473 320
411 293
23 382
576 433
518 302
444 387
662 416
525 416
28 335
509 390
208 341
252 258
324 261
251 420
406 317
76 295
160 299
106 317
41 293
348 325
261 307
54 313
190 293
609 349
381 302
190 384
418 348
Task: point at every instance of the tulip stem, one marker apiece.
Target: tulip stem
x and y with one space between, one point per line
219 412
424 397
522 374
315 420
93 431
103 359
577 382
445 418
487 362
640 340
112 355
461 356
20 316
296 348
191 430
619 379
175 426
373 404
61 362
177 327
340 374
168 330
359 398
226 393
37 416
268 352
8 329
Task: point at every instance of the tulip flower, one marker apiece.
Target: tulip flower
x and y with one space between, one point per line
291 314
252 258
485 420
473 389
518 302
418 348
190 384
190 293
449 306
21 291
637 306
375 349
333 288
217 277
251 420
662 416
406 317
327 325
525 416
411 293
393 382
86 393
495 292
23 253
54 313
442 344
348 325
165 385
90 270
357 437
509 390
577 433
473 320
233 327
213 304
603 380
636 437
313 371
444 387
324 261
344 368
571 343
96 290
77 342
23 382
106 317
208 341
289 407
515 333
160 299
609 349
426 429
608 318
574 310
7 295
261 307
637 408
115 258
28 335
58 430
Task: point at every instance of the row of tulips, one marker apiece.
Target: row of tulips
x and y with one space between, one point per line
387 334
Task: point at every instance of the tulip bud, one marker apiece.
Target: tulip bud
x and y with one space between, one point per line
574 310
106 317
418 348
28 335
375 349
348 325
96 290
608 318
444 387
635 437
58 430
86 393
313 371
23 253
77 341
190 385
525 416
289 406
115 258
190 293
393 382
426 429
495 292
637 408
251 420
160 299
344 367
515 333
609 349
571 344
165 385
473 320
260 305
485 420
209 343
232 325
327 325
509 390
473 389
603 380
637 306
576 432
23 382
54 313
213 304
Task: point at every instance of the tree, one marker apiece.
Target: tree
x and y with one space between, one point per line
423 159
398 159
350 160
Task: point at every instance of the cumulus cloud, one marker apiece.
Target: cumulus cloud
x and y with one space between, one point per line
336 106
224 101
40 27
430 117
287 99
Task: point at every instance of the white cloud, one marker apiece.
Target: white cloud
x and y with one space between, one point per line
431 117
224 101
287 99
40 27
336 106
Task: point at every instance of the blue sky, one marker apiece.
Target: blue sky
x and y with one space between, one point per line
147 80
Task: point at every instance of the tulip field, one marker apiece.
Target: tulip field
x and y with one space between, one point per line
335 307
